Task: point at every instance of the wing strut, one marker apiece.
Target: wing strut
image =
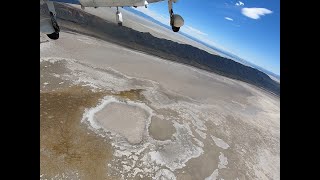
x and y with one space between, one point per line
53 16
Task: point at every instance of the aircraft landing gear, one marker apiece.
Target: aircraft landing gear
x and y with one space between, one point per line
175 29
119 17
176 21
55 34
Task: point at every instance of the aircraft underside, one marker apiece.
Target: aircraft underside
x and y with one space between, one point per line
176 21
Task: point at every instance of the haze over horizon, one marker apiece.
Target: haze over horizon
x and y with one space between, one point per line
142 102
250 30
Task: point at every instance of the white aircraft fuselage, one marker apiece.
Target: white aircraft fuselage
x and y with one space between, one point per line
112 3
51 28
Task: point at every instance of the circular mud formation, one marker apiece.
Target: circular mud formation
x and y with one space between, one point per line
161 129
126 119
120 117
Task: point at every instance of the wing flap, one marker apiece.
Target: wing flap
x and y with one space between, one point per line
68 1
153 1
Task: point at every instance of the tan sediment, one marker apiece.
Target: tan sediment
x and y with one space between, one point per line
132 94
126 120
161 129
65 144
248 123
203 166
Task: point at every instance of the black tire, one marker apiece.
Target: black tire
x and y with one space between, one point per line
175 29
120 23
53 36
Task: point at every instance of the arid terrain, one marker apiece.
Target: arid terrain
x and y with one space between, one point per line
110 112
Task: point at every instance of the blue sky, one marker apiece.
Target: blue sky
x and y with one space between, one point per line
249 29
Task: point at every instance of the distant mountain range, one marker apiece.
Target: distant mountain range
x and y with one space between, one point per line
76 20
219 51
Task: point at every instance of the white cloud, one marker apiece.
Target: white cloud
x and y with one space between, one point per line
229 19
194 30
255 13
239 3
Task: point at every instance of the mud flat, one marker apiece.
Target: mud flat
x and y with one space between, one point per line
127 120
108 112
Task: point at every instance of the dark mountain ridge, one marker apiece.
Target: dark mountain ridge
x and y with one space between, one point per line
74 19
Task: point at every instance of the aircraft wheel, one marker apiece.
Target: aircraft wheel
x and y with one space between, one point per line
53 36
175 29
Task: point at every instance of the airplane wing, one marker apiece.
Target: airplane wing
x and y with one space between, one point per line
51 28
68 1
153 1
78 1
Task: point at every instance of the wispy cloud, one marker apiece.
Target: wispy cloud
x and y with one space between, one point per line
165 20
255 13
203 37
194 30
229 19
239 3
196 33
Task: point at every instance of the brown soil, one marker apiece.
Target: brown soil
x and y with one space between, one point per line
66 145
